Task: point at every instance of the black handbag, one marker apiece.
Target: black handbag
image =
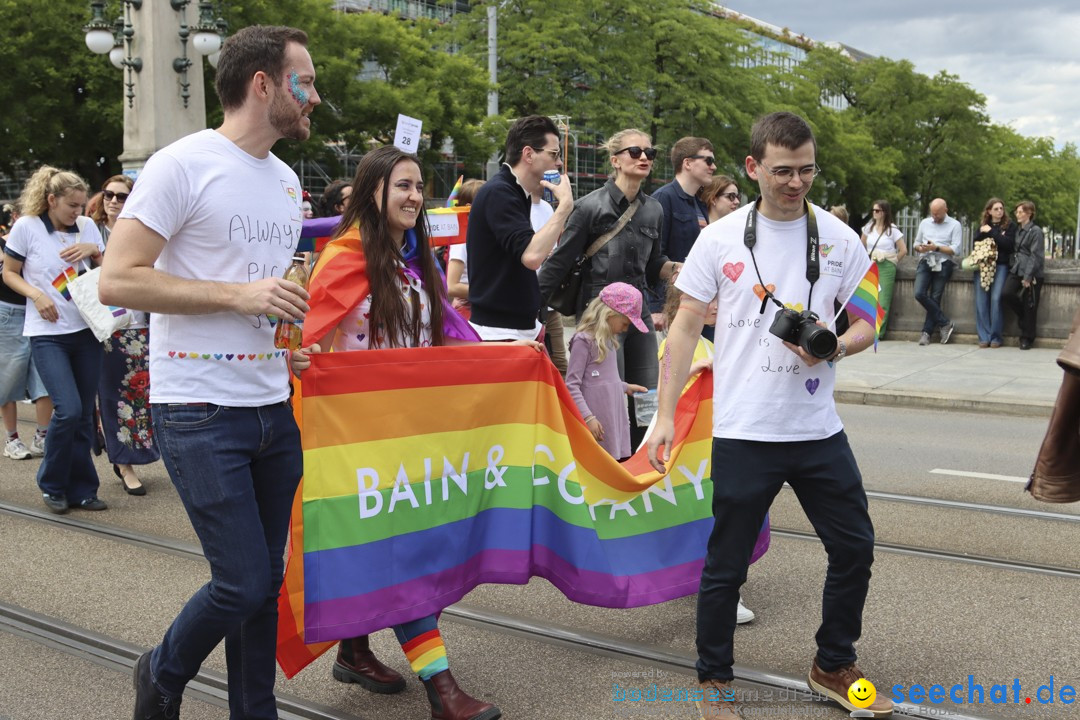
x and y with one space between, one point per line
564 298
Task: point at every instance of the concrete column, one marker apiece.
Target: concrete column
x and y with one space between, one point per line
158 116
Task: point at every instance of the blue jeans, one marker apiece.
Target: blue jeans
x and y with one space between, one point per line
69 366
747 475
929 289
988 318
236 470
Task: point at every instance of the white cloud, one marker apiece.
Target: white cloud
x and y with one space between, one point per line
1020 59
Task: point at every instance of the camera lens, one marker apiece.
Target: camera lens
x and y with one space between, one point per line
817 341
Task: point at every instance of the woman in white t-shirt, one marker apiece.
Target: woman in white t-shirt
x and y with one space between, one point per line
376 286
50 246
457 271
885 243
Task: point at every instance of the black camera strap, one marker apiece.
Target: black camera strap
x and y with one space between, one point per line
813 260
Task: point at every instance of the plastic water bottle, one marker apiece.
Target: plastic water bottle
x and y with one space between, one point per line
553 177
289 333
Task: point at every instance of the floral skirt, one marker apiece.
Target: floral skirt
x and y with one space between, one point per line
124 399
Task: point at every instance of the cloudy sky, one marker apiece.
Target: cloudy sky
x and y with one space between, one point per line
1023 57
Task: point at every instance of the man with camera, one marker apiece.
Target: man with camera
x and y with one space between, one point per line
774 418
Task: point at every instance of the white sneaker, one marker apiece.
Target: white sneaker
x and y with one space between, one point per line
743 614
16 450
37 446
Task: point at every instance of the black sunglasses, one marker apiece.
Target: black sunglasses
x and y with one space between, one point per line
635 152
109 195
709 159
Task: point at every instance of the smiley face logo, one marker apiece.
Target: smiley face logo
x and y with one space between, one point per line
862 693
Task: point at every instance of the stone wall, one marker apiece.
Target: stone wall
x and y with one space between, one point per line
1060 300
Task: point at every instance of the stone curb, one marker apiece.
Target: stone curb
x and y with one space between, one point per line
886 398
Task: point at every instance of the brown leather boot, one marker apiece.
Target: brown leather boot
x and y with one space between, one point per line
357 664
449 702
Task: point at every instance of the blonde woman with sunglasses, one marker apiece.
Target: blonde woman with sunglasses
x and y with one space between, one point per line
632 255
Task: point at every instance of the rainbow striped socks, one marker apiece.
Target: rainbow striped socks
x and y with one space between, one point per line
426 653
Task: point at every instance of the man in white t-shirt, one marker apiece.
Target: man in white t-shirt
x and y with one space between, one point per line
202 243
774 418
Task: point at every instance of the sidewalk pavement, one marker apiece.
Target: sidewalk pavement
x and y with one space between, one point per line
956 376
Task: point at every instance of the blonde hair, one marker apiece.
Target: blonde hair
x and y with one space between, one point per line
44 182
840 211
615 143
595 322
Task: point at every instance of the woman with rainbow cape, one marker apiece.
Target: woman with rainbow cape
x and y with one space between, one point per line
376 285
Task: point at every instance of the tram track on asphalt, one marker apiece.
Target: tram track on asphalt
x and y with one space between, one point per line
211 687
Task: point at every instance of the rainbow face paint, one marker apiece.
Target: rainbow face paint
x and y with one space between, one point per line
299 94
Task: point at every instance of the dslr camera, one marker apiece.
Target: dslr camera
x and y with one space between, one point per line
802 329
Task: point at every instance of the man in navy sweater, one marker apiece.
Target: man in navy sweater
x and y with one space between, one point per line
504 252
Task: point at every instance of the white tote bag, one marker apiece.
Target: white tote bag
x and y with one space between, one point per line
103 320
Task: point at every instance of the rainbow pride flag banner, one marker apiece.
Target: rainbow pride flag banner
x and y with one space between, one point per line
430 471
864 302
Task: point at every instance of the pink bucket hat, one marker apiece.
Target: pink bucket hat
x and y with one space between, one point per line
625 299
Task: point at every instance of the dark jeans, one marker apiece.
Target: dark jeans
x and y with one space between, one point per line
747 475
69 366
638 364
236 470
929 288
1026 308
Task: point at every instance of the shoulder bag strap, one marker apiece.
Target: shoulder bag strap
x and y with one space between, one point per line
603 240
878 240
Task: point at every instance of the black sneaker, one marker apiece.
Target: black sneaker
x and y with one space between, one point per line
150 704
91 503
57 503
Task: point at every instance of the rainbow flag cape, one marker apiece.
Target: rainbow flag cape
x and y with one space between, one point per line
864 302
451 200
430 471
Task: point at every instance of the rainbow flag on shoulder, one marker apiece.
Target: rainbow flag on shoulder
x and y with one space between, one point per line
430 471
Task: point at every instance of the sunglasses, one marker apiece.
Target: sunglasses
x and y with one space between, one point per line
120 197
732 196
635 152
709 159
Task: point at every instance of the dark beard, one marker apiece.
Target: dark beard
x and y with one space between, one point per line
284 121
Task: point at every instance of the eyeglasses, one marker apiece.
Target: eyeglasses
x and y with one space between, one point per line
109 195
709 159
732 196
635 152
877 209
786 174
553 153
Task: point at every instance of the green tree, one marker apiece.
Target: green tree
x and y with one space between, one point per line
62 104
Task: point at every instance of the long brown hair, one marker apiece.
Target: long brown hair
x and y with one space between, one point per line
98 214
987 220
389 318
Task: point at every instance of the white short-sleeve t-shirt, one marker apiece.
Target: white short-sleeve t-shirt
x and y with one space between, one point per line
39 244
887 242
227 217
458 252
761 390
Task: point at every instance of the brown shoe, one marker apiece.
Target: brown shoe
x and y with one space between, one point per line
357 664
718 702
834 685
449 702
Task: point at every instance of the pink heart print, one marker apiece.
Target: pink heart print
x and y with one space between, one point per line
812 385
734 270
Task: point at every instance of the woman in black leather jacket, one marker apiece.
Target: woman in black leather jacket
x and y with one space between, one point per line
632 256
1024 284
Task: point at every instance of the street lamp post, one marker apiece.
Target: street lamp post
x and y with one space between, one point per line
165 98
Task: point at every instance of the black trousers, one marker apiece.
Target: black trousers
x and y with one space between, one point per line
747 475
1026 308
